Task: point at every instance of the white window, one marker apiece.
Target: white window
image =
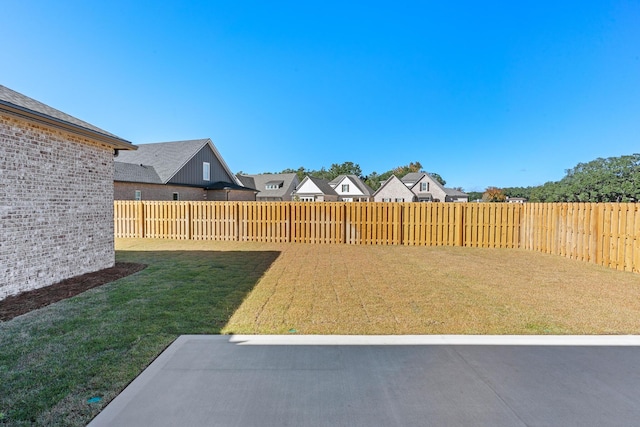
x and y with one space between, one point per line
386 199
138 195
345 188
307 199
423 186
176 196
399 199
206 171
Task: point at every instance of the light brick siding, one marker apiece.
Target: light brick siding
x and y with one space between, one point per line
435 189
393 190
56 206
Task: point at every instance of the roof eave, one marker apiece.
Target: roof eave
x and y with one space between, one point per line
27 114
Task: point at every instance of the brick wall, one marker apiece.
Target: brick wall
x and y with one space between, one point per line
56 206
127 191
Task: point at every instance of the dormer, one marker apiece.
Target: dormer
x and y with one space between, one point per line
273 185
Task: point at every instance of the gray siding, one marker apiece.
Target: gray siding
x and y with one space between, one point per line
191 173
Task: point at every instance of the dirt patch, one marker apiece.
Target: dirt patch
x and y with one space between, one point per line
16 305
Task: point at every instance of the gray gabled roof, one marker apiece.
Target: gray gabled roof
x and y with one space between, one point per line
129 172
412 177
259 182
28 108
362 186
454 192
247 180
167 158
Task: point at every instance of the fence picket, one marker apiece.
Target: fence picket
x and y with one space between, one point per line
606 234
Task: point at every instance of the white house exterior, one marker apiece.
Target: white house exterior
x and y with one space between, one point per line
516 199
313 189
350 188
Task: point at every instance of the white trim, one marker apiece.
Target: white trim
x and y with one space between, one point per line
206 171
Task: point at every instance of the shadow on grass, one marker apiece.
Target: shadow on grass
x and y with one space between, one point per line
54 360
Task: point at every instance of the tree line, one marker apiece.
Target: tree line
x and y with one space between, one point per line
611 179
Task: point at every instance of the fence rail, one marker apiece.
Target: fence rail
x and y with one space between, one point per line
604 233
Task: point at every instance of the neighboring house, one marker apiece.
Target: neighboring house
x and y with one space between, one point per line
350 188
313 189
516 200
179 170
394 190
276 187
427 189
56 195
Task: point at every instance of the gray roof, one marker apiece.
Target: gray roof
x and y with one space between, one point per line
247 180
413 177
454 192
167 158
129 172
27 107
362 186
259 182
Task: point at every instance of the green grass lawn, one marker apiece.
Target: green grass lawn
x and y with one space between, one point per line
53 360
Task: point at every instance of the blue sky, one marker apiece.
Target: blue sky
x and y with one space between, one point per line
485 94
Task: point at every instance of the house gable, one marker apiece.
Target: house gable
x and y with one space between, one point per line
308 186
191 173
193 163
316 189
348 187
428 189
393 190
180 162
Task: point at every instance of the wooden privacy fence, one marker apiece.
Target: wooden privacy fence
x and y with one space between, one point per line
426 224
604 233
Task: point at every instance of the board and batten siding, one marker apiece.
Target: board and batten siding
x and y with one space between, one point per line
192 172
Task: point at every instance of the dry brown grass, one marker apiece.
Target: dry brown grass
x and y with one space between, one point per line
342 289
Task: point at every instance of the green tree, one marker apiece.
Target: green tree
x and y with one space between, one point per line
346 168
614 179
438 178
301 172
518 192
401 171
474 195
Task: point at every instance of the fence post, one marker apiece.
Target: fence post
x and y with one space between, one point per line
140 220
